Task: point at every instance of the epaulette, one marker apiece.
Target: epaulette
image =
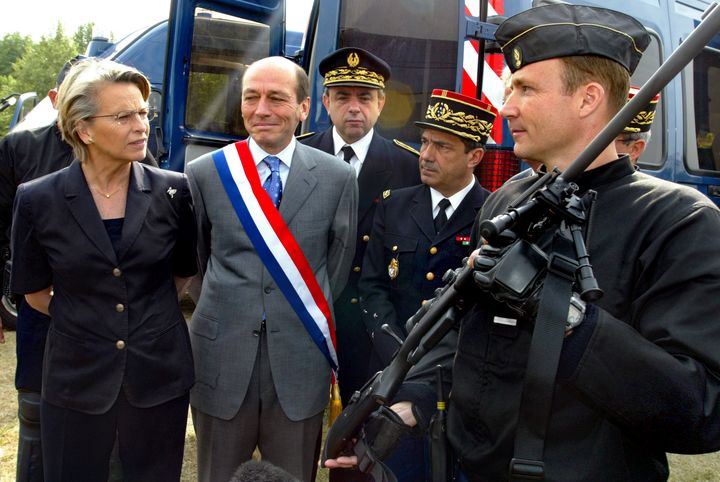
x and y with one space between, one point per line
406 147
303 136
386 194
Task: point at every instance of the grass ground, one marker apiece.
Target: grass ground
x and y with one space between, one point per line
700 468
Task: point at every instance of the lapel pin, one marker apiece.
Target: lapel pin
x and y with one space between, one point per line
171 191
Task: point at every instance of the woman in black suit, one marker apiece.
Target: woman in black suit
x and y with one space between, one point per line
104 246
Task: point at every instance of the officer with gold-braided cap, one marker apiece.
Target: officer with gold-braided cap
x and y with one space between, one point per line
636 136
354 97
420 232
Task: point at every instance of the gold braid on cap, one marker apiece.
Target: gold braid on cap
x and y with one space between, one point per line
644 118
441 112
345 74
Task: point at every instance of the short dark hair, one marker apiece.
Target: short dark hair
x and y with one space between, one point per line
261 471
470 144
302 90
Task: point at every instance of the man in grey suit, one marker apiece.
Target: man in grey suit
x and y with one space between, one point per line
262 382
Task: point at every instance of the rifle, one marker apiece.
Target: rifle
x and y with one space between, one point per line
550 199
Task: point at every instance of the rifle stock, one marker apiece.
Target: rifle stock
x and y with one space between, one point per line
381 389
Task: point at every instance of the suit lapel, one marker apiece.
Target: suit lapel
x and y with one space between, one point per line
300 183
465 214
421 212
82 207
136 208
373 175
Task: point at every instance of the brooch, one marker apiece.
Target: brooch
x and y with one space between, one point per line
171 192
393 268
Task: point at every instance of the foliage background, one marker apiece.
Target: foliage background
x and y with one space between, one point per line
29 66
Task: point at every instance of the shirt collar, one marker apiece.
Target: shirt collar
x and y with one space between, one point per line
360 146
259 153
455 199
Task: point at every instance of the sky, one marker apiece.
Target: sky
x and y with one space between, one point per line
117 17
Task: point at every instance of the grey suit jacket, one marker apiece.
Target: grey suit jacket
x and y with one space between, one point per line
319 205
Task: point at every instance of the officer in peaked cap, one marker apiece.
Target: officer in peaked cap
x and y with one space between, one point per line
636 135
420 232
638 370
354 96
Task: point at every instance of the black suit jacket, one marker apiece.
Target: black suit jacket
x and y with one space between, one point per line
404 232
116 323
26 155
386 166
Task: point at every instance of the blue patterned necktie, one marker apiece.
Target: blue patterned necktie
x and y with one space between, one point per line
273 183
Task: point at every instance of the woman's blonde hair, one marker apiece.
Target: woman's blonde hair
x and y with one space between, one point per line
77 96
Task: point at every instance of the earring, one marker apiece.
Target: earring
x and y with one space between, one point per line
90 140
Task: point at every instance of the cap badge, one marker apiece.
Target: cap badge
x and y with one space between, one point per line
439 111
517 57
353 59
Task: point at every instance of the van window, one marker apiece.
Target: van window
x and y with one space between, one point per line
223 46
703 149
419 39
654 155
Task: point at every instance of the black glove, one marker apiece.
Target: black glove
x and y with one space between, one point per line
383 431
512 275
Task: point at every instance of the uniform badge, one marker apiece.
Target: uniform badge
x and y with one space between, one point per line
353 59
393 268
517 57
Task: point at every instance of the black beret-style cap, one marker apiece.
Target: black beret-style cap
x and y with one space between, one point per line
354 66
458 114
562 30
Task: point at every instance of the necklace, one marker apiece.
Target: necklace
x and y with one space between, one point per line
108 195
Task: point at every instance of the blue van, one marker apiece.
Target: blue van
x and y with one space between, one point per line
196 59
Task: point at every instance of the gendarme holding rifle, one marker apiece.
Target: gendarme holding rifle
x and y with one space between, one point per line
638 369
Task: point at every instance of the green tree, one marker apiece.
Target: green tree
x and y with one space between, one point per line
83 36
37 69
12 47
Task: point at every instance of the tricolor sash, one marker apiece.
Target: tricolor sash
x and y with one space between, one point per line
276 246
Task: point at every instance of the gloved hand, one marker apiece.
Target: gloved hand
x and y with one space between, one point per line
383 431
512 275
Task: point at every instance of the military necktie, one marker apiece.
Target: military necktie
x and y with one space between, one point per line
348 153
273 183
441 217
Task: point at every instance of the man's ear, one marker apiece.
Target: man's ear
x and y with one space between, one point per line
476 156
52 94
593 96
636 149
326 102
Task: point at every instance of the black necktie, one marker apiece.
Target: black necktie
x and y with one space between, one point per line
348 153
441 217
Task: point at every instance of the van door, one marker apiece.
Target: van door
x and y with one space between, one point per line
210 44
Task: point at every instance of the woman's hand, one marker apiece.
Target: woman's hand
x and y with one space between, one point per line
40 300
